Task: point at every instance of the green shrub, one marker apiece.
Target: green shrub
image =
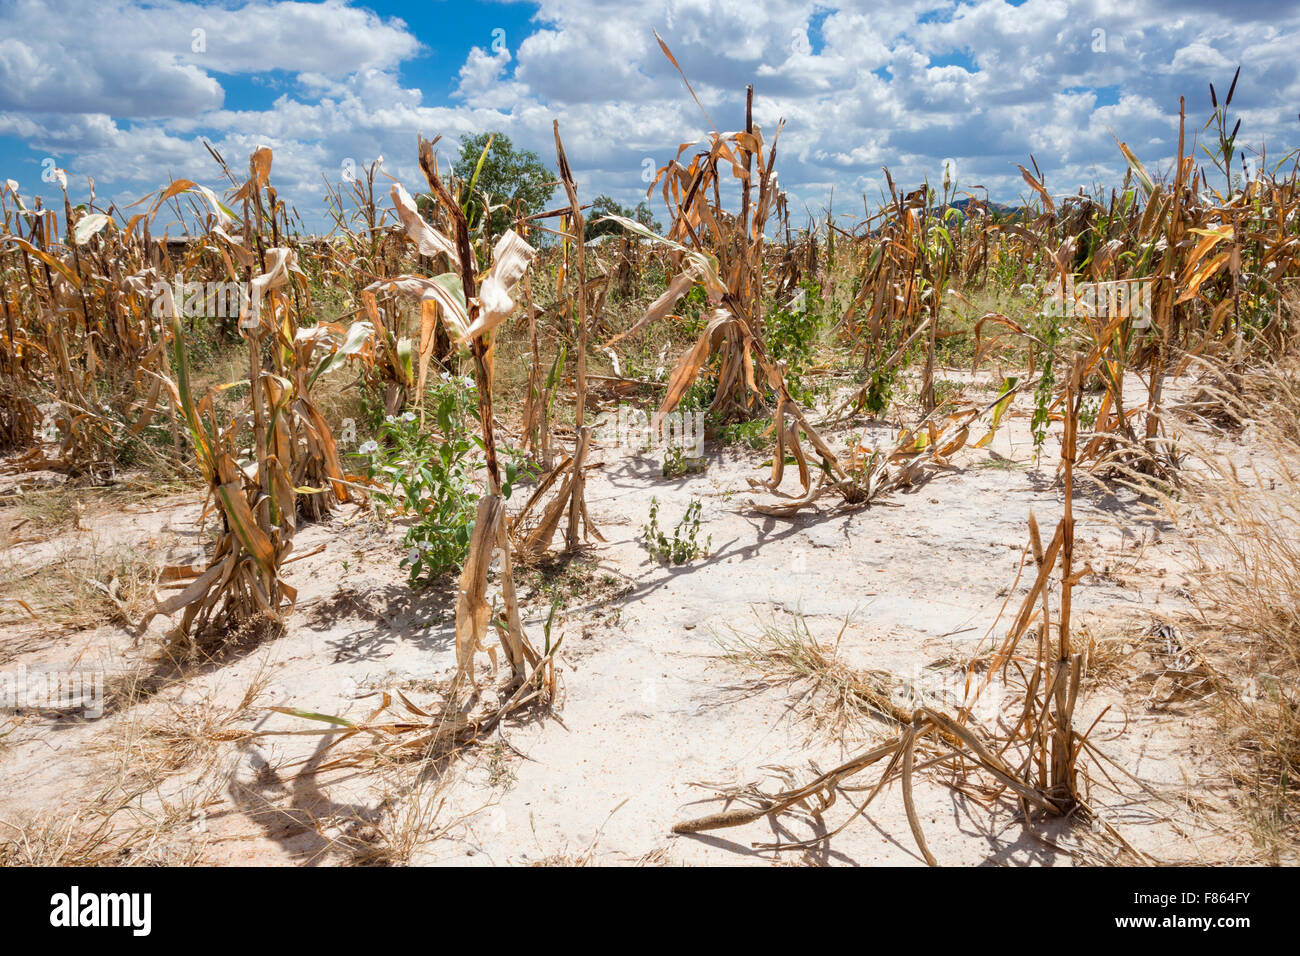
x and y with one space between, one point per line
791 334
425 472
684 545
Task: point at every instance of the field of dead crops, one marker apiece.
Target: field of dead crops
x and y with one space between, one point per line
959 536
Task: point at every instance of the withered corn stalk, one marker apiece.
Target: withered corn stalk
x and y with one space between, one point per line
917 453
257 504
541 391
295 468
575 486
724 254
473 307
81 330
569 504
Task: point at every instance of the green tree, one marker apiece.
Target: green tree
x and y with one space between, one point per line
515 178
606 206
646 218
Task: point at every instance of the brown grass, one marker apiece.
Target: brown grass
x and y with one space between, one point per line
85 584
160 772
1243 532
786 652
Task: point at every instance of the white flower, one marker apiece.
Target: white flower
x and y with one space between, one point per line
408 416
369 447
467 382
413 555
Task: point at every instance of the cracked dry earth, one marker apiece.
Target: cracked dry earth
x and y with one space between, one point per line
648 708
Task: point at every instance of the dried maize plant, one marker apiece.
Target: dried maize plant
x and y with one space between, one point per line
256 501
1051 689
295 431
364 252
19 353
395 366
295 467
890 312
724 254
95 328
788 270
628 267
916 454
1252 235
543 386
1196 264
56 317
85 326
302 433
1126 439
472 305
401 363
361 248
1028 749
569 503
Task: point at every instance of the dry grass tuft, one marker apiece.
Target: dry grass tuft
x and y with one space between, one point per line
409 816
50 840
148 812
785 652
1275 393
1243 531
187 734
121 825
1112 647
86 584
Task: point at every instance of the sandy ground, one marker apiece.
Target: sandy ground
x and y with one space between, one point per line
648 710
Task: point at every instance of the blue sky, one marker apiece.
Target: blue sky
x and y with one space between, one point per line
124 92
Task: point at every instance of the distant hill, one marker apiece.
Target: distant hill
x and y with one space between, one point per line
1001 211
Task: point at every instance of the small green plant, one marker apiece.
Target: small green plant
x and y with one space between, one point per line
674 462
425 473
1088 413
947 391
684 545
883 379
691 308
880 390
997 462
752 434
677 463
791 332
701 393
1049 332
562 580
371 404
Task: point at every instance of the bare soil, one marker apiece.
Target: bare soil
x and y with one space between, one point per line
648 710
